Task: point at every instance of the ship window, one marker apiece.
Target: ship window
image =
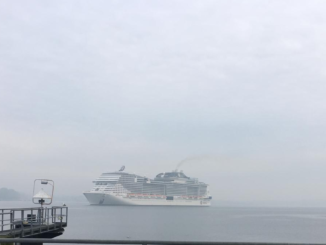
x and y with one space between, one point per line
183 175
169 198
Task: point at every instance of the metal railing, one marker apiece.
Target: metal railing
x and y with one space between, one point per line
34 219
143 242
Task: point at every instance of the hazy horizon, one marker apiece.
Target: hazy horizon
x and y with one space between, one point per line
237 88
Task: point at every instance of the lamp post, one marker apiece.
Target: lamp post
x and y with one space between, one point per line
41 197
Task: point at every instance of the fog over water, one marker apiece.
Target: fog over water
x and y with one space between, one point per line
223 224
235 87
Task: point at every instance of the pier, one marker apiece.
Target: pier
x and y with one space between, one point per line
36 222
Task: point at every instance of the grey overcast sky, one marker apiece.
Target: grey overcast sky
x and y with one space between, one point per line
238 87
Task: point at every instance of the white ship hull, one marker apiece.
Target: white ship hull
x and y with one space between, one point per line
112 199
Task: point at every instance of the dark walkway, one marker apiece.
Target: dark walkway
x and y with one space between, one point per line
34 231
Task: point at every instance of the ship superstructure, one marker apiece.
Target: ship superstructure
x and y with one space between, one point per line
170 188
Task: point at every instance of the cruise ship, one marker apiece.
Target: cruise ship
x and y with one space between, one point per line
166 189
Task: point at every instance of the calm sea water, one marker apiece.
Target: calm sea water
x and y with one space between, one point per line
304 225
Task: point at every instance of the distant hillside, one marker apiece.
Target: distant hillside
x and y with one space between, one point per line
10 195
